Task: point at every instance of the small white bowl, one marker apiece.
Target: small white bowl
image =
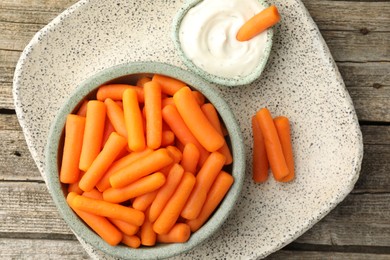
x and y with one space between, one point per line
226 81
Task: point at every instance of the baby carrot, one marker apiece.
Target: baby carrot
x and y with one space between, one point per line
140 187
196 121
103 161
174 206
100 225
74 133
131 241
259 161
282 125
107 209
204 179
133 121
172 117
93 133
258 23
141 81
144 201
167 101
108 129
167 138
104 182
115 92
212 115
126 228
147 234
272 144
166 191
190 158
116 116
179 233
218 190
199 97
168 85
140 168
83 109
74 187
152 92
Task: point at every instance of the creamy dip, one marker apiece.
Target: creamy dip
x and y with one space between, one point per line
208 37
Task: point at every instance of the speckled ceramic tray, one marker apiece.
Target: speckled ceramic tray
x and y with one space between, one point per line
301 81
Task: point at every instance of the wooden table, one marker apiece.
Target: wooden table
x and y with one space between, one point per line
358 35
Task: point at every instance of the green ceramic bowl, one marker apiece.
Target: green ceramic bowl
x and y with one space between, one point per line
125 73
230 82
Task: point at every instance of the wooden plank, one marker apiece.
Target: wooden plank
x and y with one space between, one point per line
41 249
361 219
299 255
353 46
371 104
350 15
16 162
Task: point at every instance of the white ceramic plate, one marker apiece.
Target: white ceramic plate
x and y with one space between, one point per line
301 81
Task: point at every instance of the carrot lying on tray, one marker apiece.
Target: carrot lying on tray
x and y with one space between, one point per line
135 169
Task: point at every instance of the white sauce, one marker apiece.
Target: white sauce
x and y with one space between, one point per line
208 37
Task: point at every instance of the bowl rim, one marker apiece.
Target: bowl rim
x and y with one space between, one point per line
52 168
224 81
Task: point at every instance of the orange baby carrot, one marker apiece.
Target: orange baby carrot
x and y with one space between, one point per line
167 138
218 190
116 116
168 85
282 125
141 81
115 92
148 236
104 182
133 121
108 129
190 158
93 133
272 144
196 121
83 109
131 241
166 191
167 101
175 153
107 209
74 133
212 115
174 206
103 161
204 179
172 117
259 161
199 97
179 233
140 187
258 23
100 225
152 92
74 187
126 228
144 201
140 168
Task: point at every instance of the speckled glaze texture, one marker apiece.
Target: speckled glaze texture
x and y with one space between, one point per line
300 81
230 82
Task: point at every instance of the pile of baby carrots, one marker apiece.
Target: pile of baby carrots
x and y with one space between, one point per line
145 163
272 147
